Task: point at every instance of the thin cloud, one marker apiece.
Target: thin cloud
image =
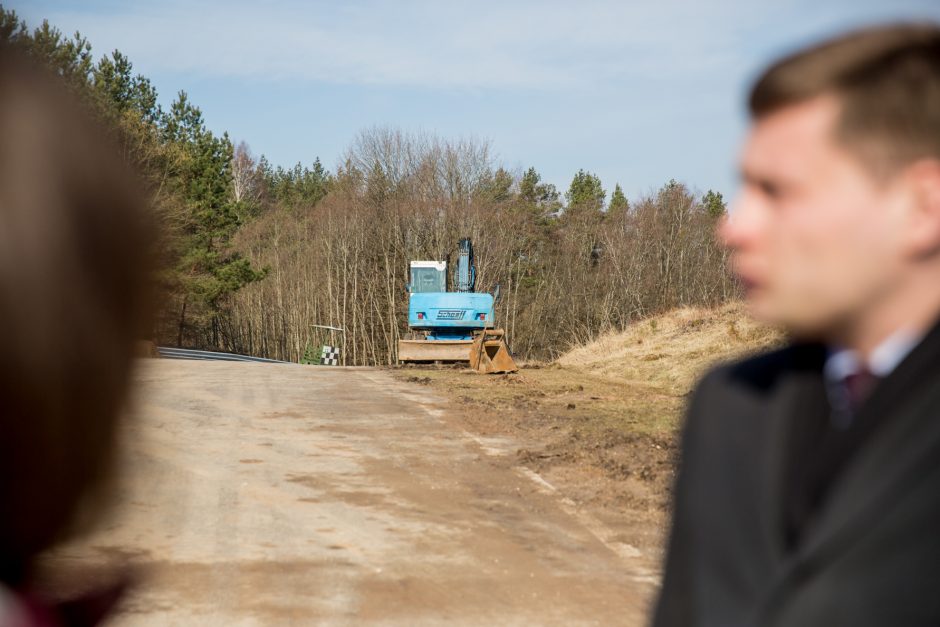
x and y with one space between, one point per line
530 45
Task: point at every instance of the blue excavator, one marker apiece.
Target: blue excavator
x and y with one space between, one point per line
456 325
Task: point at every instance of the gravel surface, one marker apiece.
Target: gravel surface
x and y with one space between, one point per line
266 494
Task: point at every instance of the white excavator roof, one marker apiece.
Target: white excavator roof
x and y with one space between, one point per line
437 265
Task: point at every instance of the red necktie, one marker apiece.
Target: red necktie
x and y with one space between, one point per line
858 386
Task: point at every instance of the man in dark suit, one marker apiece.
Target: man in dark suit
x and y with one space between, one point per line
809 485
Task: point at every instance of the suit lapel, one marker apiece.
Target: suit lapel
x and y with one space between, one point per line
774 474
878 477
889 463
801 392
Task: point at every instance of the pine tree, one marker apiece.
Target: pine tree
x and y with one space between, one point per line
539 198
618 202
298 186
714 204
122 92
585 192
495 187
208 270
528 186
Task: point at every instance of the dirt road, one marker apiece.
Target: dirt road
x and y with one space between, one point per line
257 494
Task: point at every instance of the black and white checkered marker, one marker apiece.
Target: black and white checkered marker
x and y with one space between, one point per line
329 356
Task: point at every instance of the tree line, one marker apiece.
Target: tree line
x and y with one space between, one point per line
257 254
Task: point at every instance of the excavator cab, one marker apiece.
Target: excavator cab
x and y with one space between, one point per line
428 276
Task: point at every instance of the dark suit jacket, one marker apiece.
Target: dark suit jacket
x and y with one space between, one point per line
872 553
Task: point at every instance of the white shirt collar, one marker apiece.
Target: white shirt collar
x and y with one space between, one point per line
843 362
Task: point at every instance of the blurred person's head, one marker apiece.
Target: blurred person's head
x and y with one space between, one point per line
836 231
74 267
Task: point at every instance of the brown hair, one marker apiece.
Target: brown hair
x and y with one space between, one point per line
74 270
887 81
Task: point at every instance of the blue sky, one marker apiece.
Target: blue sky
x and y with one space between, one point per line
637 92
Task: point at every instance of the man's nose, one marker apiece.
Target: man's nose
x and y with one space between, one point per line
723 230
739 227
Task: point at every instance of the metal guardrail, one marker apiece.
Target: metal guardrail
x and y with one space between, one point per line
189 353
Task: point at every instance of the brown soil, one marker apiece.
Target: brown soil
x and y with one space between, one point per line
580 434
602 422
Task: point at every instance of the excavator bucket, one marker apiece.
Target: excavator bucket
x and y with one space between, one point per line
489 355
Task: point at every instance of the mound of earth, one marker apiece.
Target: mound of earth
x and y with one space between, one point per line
671 351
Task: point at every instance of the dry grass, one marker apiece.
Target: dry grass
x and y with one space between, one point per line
672 351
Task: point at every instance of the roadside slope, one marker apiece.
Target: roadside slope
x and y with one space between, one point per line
671 351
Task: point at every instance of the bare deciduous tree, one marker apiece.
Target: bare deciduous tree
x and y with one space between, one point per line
246 180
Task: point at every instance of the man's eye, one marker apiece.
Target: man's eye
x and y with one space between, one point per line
771 190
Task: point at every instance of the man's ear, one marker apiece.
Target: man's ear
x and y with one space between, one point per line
922 179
